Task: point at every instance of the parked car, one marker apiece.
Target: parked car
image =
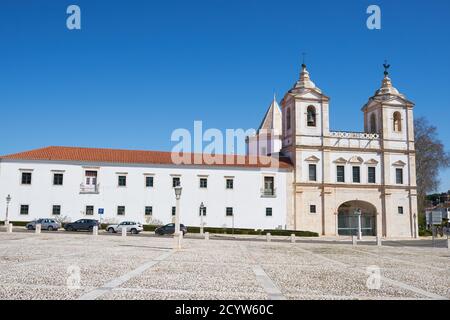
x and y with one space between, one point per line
46 224
170 229
131 226
82 224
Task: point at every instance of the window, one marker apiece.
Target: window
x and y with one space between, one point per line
312 172
176 182
312 208
56 210
26 177
340 174
288 119
400 210
268 212
311 116
203 183
229 212
149 182
371 178
120 210
148 211
373 123
356 174
397 121
269 186
200 211
122 181
58 179
229 184
24 209
174 211
91 178
399 176
89 210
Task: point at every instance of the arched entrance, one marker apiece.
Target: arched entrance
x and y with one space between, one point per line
348 219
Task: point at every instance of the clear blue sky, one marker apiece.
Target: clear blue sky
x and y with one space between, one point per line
140 69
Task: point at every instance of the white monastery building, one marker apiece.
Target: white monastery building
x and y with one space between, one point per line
297 175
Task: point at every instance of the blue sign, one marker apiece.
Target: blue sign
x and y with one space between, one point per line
101 211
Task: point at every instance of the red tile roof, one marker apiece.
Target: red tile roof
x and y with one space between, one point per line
143 157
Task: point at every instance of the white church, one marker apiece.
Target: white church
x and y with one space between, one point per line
305 176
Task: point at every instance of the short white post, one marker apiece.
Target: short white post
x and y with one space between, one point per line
178 238
448 243
354 242
206 235
124 232
268 237
95 231
293 238
38 228
379 241
9 228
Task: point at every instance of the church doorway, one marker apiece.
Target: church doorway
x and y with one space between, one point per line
348 218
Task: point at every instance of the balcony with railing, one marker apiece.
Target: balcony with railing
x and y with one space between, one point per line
89 188
349 139
268 193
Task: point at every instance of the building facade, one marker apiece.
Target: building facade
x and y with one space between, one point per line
305 176
339 174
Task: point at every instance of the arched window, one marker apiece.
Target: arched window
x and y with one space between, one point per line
373 123
288 119
397 121
311 116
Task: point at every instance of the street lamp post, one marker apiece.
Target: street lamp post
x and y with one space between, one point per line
8 200
358 214
202 208
178 190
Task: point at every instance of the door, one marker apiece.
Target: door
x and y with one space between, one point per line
91 179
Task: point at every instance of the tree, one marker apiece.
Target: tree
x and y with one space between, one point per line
430 158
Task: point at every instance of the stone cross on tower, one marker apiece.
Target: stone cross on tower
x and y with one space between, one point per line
386 67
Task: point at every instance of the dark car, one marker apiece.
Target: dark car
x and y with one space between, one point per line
82 224
170 229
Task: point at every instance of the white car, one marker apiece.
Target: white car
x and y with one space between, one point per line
131 226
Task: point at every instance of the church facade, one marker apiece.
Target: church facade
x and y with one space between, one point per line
336 174
305 176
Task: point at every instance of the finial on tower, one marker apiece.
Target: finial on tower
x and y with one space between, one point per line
386 68
303 60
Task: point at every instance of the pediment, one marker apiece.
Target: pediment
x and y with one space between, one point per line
356 159
312 159
372 161
399 163
340 160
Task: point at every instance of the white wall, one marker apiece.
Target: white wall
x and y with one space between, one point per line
245 198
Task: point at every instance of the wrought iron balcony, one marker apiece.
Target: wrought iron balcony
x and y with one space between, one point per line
89 189
268 192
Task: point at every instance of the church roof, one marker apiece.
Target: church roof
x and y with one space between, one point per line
272 119
304 83
57 153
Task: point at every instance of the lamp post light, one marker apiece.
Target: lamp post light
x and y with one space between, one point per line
8 200
177 234
358 214
202 209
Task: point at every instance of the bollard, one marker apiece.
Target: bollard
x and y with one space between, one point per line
268 237
9 228
379 242
448 243
354 242
206 235
293 238
38 228
178 238
124 232
95 231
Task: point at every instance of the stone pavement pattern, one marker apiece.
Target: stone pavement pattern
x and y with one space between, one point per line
36 267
